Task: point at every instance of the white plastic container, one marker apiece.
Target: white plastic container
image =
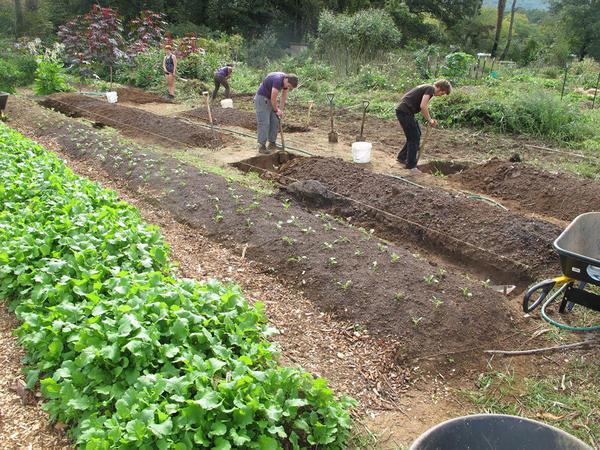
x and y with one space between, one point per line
361 152
111 97
227 103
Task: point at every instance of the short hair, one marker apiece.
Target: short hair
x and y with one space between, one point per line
292 79
443 85
168 47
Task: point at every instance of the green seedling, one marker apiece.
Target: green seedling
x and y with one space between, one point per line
308 230
332 261
466 293
416 321
342 240
358 252
442 272
328 245
374 266
430 279
296 259
345 285
279 224
394 257
399 296
328 226
382 247
249 223
436 302
288 240
286 204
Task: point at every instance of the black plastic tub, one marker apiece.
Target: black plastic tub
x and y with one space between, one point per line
497 432
3 100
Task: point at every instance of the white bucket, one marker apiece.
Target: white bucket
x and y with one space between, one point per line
227 103
361 152
111 97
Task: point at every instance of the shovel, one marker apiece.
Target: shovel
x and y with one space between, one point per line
361 138
423 142
333 136
281 131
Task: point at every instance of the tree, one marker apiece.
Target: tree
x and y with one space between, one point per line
18 18
450 12
510 29
581 22
499 20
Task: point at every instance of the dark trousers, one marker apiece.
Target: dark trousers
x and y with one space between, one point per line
410 151
218 82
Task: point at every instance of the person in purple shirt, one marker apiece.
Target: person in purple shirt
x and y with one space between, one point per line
268 113
222 78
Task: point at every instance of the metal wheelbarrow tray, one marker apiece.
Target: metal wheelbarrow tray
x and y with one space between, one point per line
579 248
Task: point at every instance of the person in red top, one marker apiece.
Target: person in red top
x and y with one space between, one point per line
414 101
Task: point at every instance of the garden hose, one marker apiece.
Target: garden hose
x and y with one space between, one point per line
563 326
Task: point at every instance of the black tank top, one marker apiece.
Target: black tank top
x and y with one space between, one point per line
169 64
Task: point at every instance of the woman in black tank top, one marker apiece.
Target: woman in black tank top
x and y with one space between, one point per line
170 68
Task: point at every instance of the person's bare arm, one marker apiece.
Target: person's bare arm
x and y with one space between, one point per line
274 94
425 110
165 64
283 100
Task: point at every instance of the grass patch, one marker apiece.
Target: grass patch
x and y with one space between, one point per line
570 401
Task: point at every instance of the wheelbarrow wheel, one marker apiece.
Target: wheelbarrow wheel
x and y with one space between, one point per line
536 294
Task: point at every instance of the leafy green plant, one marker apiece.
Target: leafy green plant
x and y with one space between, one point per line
126 353
50 77
430 279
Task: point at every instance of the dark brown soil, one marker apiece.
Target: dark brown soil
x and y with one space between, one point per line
381 287
501 244
556 195
135 95
237 117
134 122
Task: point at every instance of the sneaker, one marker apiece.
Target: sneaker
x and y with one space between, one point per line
272 146
263 149
414 171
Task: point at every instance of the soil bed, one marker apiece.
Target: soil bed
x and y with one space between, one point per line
556 195
503 244
384 289
236 117
135 95
134 122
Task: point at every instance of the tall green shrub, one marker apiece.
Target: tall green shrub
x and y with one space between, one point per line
9 76
49 77
349 41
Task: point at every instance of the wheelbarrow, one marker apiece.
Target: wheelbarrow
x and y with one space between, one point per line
579 249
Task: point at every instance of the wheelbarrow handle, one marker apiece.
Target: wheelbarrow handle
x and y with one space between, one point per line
366 104
330 96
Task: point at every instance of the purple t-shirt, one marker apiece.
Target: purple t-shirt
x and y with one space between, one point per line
273 80
222 72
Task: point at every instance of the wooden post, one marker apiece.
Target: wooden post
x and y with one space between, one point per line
562 92
596 91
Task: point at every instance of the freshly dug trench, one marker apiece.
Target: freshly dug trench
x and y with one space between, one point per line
134 122
551 194
237 117
502 245
443 167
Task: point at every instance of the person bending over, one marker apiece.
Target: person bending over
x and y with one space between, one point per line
414 101
222 78
268 112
